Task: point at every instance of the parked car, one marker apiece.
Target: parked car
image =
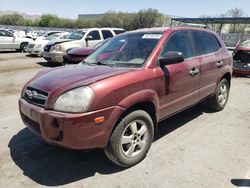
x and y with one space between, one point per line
36 47
115 101
79 38
241 55
76 55
43 35
9 41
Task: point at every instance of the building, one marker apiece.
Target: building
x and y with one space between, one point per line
89 16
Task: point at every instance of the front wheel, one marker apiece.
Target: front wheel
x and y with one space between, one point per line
131 139
220 98
23 47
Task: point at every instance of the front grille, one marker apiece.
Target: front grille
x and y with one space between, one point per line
35 96
47 48
241 66
31 45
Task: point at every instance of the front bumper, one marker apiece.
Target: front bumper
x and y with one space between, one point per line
241 68
34 51
75 131
54 56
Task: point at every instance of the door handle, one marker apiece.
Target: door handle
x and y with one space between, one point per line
219 64
194 71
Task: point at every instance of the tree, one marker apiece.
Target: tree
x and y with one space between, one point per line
12 19
147 18
236 12
128 21
49 20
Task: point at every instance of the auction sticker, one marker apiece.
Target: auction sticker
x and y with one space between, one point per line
152 36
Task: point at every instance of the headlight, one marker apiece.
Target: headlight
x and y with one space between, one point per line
76 100
55 47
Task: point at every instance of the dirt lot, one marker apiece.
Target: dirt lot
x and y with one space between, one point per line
196 148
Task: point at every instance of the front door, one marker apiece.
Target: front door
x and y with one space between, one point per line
181 79
95 38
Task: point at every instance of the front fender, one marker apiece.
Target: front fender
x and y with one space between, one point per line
140 96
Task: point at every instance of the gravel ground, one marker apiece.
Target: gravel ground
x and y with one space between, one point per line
196 148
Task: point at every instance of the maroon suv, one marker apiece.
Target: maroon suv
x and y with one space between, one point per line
115 98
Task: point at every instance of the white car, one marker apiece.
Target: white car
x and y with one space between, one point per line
43 35
79 38
9 41
36 47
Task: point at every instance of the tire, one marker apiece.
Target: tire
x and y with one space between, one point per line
131 139
220 98
23 47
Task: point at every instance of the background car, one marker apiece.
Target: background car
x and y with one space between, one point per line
79 38
241 56
9 41
76 55
36 47
43 35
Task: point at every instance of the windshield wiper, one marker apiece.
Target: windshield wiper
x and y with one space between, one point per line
105 64
99 63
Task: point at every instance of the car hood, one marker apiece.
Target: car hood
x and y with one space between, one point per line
58 41
242 48
59 80
37 42
81 51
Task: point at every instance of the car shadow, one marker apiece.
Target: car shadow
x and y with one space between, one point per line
241 182
174 122
49 64
9 51
52 166
33 56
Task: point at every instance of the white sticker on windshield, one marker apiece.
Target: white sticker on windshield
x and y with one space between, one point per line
151 36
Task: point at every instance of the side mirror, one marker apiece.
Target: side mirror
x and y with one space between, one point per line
89 37
171 57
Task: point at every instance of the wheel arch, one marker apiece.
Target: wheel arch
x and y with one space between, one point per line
228 77
147 106
25 42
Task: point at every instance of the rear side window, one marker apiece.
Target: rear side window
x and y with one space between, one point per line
106 34
95 34
215 42
119 31
180 42
203 43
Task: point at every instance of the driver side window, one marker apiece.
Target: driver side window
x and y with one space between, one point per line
180 42
95 35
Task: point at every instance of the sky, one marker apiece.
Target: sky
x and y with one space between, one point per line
71 8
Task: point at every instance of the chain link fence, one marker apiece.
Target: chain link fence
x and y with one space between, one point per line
231 39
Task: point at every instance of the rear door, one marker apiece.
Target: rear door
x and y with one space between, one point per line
6 40
182 79
207 51
106 34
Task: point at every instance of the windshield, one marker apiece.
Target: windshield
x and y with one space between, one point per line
130 50
55 36
76 35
